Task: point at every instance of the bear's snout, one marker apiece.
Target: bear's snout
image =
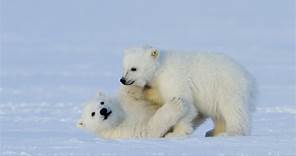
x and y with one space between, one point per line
104 112
123 80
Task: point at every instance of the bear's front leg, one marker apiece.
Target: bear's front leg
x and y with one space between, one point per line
166 117
184 127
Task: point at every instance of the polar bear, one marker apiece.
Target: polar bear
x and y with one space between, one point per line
128 116
211 85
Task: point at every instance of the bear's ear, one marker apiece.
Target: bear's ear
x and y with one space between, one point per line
99 93
80 124
125 51
154 53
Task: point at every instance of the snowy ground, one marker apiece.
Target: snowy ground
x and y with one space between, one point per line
56 54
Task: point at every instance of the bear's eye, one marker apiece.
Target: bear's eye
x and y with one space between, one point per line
133 69
102 103
93 114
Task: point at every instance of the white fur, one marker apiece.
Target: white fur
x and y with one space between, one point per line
131 116
209 83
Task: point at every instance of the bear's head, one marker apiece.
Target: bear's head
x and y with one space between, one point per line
139 65
101 113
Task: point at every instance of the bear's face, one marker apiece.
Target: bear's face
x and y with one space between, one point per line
139 65
101 113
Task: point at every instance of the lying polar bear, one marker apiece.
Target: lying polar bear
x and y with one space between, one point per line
129 116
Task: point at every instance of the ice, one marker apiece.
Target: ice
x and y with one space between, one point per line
56 54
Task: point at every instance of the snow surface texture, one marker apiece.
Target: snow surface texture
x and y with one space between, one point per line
55 54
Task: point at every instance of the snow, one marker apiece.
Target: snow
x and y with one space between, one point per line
56 54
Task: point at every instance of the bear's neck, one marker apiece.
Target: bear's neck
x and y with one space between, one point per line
125 131
160 67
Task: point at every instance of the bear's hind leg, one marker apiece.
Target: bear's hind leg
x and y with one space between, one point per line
236 117
218 129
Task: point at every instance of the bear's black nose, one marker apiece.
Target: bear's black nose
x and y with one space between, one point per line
122 80
103 111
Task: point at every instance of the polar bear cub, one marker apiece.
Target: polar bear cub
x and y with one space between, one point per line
128 116
210 84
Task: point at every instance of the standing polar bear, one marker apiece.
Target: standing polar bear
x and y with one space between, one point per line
210 85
